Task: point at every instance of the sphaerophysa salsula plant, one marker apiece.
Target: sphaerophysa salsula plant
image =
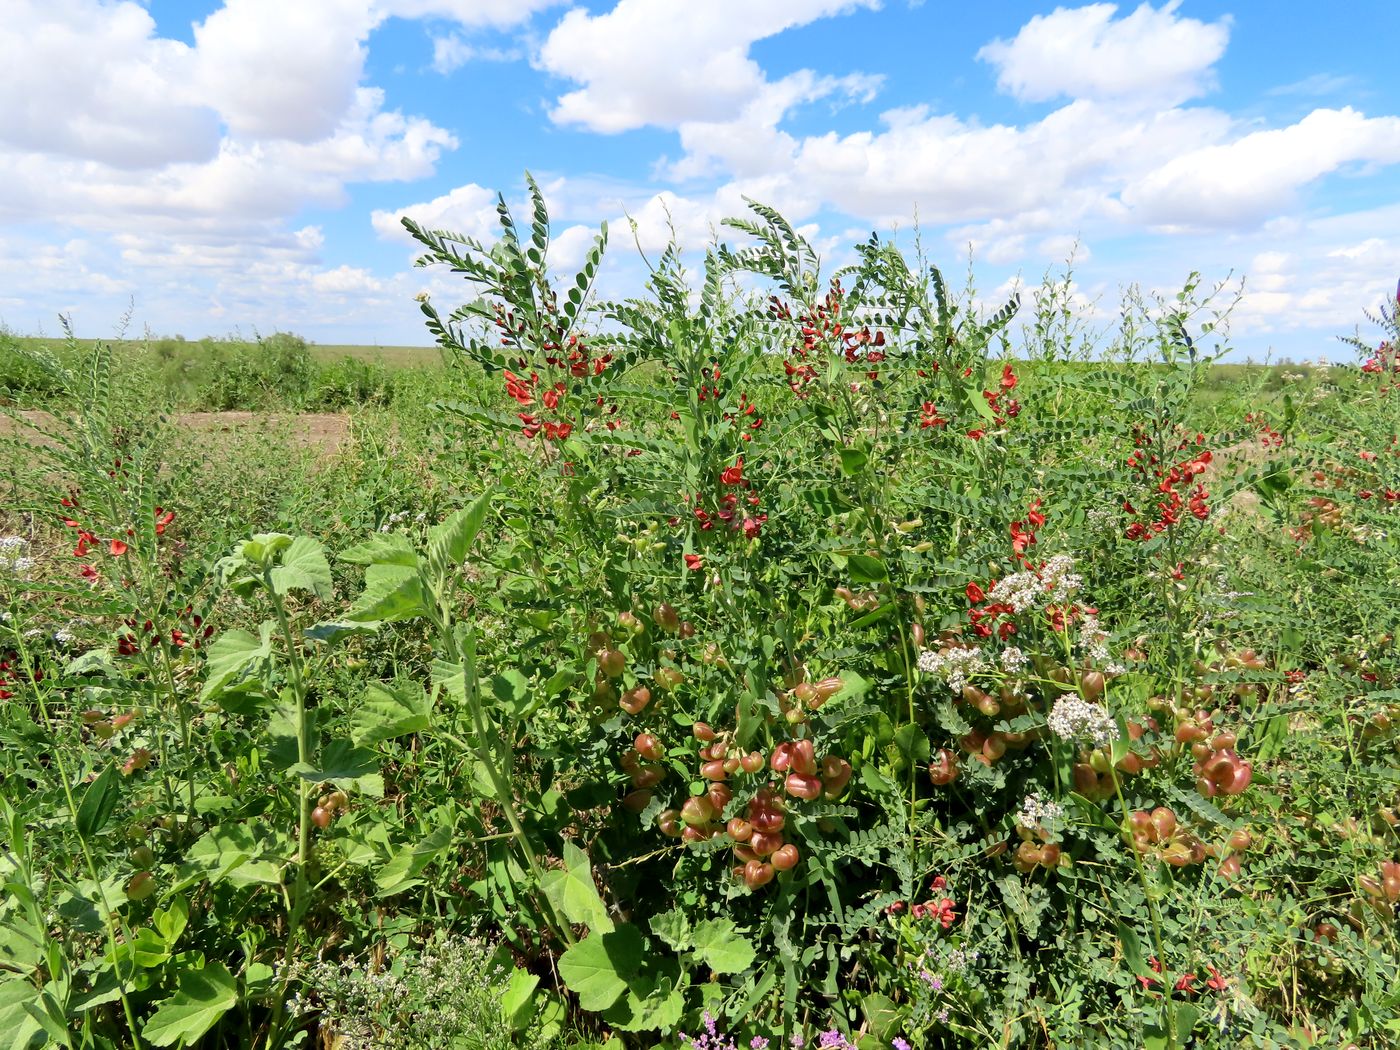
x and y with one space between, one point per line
812 656
882 431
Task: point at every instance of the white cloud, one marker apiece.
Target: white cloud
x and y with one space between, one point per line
346 280
668 62
496 14
1243 182
468 210
453 51
283 70
94 81
1151 55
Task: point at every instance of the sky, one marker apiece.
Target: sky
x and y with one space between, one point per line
240 167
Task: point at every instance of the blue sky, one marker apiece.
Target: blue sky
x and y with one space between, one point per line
239 166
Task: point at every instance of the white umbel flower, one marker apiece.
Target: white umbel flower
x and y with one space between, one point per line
1075 720
954 665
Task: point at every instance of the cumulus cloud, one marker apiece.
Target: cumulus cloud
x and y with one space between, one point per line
1258 175
135 108
1152 55
496 14
468 210
627 59
280 70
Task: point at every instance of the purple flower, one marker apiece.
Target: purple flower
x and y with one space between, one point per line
758 1043
900 1043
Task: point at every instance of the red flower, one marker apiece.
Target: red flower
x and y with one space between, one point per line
694 562
1216 982
85 540
975 594
733 475
1008 378
931 418
977 435
163 518
118 548
87 572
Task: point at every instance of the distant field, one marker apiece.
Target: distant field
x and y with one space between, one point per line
390 356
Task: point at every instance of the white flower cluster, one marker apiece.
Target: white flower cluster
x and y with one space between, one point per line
1077 721
1020 590
959 960
396 519
13 556
1052 584
1037 812
1093 639
1059 579
1014 660
952 665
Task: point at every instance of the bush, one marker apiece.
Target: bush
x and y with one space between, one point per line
752 669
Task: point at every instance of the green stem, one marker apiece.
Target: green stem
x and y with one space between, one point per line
107 910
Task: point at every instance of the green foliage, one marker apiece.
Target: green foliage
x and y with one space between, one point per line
777 650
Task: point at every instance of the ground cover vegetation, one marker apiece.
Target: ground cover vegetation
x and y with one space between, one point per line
776 658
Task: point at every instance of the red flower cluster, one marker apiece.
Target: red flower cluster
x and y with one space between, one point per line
821 326
942 910
1023 532
191 630
746 409
87 539
7 676
1169 484
931 418
572 356
1268 436
1002 404
1386 360
1187 981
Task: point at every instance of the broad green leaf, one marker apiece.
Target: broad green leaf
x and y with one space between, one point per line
20 1030
234 852
673 928
647 1007
598 968
230 655
202 998
978 403
571 890
390 710
331 632
853 461
303 567
402 870
865 569
721 947
1132 950
99 800
518 1000
912 742
882 1016
383 548
392 592
260 549
170 922
341 763
449 542
512 689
